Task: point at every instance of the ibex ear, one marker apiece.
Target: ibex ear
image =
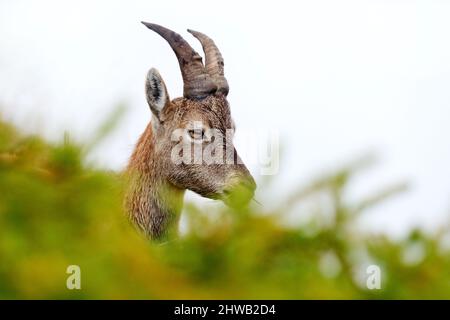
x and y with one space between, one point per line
156 92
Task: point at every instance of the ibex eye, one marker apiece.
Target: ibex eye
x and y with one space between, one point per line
197 134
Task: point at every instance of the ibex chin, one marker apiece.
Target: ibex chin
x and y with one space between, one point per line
157 183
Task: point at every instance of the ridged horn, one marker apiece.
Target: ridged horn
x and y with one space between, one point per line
213 61
197 83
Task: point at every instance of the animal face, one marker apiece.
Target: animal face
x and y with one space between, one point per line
194 141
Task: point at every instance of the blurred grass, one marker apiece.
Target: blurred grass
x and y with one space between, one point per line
56 211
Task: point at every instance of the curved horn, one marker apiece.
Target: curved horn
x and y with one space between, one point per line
213 61
197 82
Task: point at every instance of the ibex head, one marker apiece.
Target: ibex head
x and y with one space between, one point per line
201 119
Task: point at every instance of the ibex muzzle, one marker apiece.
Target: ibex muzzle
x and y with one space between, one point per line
161 167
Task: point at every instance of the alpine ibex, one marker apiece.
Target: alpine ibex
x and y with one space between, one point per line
156 182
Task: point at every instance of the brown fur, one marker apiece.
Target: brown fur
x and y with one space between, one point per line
156 185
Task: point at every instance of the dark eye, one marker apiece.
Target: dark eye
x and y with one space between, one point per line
197 134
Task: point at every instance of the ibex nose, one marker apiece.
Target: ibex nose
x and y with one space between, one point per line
239 190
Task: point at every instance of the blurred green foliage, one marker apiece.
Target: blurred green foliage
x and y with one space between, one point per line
56 211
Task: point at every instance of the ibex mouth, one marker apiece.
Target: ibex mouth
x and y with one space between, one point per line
239 195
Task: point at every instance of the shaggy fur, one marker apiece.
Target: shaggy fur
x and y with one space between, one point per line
156 185
156 182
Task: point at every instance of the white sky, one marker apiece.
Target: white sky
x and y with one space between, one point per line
335 78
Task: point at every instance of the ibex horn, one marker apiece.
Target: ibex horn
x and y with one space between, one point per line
197 82
214 61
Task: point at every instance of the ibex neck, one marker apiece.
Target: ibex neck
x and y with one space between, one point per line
153 203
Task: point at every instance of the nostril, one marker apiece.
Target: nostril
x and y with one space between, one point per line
246 183
250 183
239 191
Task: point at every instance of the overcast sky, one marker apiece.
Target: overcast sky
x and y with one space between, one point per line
335 78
